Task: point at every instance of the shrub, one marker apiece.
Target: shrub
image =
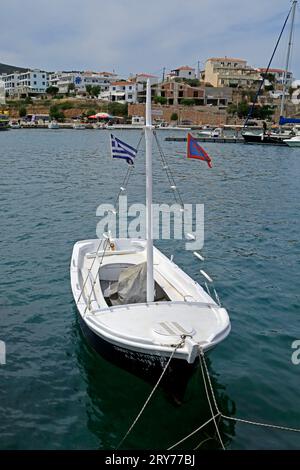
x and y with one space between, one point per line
187 102
174 117
160 99
56 113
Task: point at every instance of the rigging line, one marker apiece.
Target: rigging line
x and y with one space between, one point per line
168 172
127 175
152 391
95 280
267 70
86 279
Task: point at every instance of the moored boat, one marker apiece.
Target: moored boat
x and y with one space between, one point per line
4 122
293 142
53 125
137 307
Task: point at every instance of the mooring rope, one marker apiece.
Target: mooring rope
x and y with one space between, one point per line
219 414
180 344
201 354
192 433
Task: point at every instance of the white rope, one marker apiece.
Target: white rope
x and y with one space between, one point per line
256 423
168 171
192 433
202 360
219 414
151 394
88 274
95 280
201 355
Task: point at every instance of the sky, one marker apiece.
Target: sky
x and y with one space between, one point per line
135 36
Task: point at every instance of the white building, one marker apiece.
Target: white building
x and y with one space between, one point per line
33 81
80 80
2 92
10 83
183 72
30 82
121 92
279 76
144 77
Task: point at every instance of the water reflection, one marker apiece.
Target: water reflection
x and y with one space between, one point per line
114 398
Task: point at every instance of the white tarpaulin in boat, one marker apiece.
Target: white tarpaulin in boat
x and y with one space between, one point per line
131 288
132 285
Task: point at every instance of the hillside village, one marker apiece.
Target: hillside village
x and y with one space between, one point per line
219 94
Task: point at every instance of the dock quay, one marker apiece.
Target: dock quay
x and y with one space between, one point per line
219 140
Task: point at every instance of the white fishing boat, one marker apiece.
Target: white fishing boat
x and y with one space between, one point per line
14 125
79 126
135 305
213 133
53 125
293 142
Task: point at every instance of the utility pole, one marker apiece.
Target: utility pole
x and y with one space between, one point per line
164 71
198 70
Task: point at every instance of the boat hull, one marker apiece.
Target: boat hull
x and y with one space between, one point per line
145 366
266 140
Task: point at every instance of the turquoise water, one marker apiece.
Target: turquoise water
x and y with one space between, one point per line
55 392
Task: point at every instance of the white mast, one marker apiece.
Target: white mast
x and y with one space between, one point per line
148 138
288 58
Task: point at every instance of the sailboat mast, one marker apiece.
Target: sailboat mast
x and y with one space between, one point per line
288 59
148 139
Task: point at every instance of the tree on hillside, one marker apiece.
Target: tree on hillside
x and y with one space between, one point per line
71 87
174 117
56 113
89 89
118 109
52 90
22 112
96 90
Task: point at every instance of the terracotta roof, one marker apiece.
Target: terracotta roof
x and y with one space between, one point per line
146 75
120 83
108 73
272 70
184 67
230 59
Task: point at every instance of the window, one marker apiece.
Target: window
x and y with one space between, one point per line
43 83
130 88
34 75
190 73
34 83
130 97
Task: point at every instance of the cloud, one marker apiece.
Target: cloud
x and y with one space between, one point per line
132 35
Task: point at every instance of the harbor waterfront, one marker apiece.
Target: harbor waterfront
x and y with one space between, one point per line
56 392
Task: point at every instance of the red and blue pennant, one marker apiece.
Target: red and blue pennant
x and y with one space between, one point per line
194 150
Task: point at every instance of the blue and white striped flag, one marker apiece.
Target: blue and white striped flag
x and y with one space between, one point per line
120 149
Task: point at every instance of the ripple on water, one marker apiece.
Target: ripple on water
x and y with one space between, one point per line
55 391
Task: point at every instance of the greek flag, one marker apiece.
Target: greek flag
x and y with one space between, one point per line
120 149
